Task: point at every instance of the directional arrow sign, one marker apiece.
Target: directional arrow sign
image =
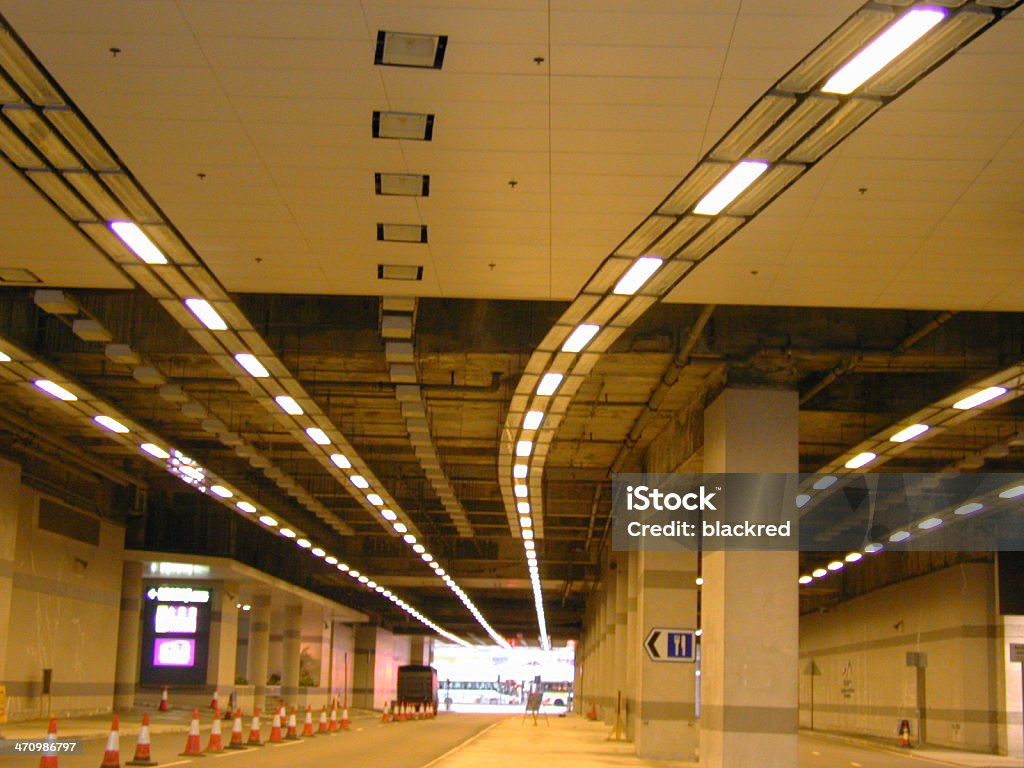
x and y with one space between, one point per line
673 645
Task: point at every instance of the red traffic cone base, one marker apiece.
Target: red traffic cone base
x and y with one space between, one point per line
142 745
192 746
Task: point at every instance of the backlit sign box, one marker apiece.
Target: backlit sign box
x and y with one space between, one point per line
176 619
174 652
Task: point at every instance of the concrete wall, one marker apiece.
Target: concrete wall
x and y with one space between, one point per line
378 655
1011 676
62 603
861 646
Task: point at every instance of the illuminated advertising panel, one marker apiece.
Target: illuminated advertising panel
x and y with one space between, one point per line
175 633
174 652
176 619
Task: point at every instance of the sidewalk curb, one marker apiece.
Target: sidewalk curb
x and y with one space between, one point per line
868 744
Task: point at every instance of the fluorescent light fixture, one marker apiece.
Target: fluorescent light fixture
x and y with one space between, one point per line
403 125
835 565
523 507
637 275
549 382
318 436
861 459
532 420
730 187
359 481
317 552
522 491
112 424
527 533
401 233
289 406
528 545
4 358
900 536
409 538
524 448
579 338
519 471
288 533
207 315
341 461
331 560
909 433
252 365
873 548
402 184
419 549
819 572
853 557
426 557
54 390
400 527
979 398
245 506
526 522
802 500
155 450
343 567
354 574
137 240
902 34
221 491
363 579
389 515
931 522
967 509
375 499
404 49
268 520
825 482
304 543
1012 493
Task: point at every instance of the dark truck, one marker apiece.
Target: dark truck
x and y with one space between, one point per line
417 689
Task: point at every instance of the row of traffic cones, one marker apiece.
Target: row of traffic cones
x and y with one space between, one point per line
193 744
400 711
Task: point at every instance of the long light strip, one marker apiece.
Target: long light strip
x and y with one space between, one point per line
206 314
138 241
902 34
980 398
730 187
637 275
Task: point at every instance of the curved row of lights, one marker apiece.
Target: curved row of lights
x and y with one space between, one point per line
18 365
45 136
876 55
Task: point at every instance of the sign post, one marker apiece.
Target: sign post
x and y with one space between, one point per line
671 645
1017 657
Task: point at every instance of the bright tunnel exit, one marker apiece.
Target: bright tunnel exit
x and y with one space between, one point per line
505 680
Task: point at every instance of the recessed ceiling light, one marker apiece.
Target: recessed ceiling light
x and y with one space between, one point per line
54 390
331 560
979 398
579 338
137 240
825 482
245 506
112 424
408 272
523 507
873 548
288 533
835 565
853 557
155 450
1012 493
860 460
404 49
549 383
206 314
819 573
931 522
532 420
389 515
519 471
252 365
318 436
359 481
522 491
806 579
637 275
317 552
289 405
909 433
730 187
268 520
409 538
375 499
403 125
524 448
402 233
967 509
902 34
900 536
402 184
4 358
221 491
341 461
304 543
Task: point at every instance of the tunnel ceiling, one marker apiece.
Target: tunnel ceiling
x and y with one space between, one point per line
553 131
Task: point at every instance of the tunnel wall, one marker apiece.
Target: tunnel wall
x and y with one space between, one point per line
865 685
59 609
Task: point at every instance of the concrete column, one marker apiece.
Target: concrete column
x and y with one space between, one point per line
633 641
10 494
665 727
291 650
128 630
601 634
364 668
610 645
750 599
220 664
259 647
621 641
421 651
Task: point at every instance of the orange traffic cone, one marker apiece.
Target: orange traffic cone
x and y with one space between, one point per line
49 759
255 736
293 727
400 717
323 727
344 725
215 701
332 725
142 755
193 748
165 704
216 742
112 754
904 734
307 725
386 714
236 732
275 728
